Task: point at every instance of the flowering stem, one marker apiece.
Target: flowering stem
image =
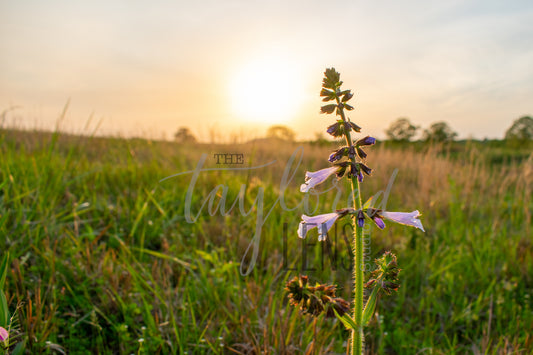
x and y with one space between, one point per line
357 334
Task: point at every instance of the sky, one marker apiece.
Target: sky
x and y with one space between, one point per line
229 69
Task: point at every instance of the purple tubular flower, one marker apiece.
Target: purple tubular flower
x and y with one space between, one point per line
379 222
361 153
406 218
324 222
3 334
366 141
365 169
360 219
342 168
313 178
336 129
354 127
351 152
359 176
337 155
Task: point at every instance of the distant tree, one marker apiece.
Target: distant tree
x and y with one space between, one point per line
281 132
401 130
184 135
439 132
521 130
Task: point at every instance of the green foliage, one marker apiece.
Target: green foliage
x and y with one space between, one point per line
401 130
281 132
439 132
184 135
99 249
521 130
4 311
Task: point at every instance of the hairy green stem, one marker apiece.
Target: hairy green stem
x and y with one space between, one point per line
357 334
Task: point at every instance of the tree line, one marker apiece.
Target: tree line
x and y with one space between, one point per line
402 130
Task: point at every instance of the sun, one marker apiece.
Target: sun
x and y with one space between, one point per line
266 89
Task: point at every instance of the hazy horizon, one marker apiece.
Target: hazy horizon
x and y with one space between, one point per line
242 66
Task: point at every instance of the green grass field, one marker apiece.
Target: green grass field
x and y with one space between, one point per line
103 258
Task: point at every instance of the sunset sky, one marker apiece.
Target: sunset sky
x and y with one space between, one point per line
236 67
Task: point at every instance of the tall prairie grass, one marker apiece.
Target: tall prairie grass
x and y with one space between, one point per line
102 259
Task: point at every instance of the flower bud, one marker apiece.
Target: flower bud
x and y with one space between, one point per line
337 155
354 127
336 129
327 94
338 304
389 286
361 153
365 169
370 283
331 79
360 219
347 96
379 222
342 168
366 141
328 108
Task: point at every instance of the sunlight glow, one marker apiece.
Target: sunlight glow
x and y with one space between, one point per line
266 89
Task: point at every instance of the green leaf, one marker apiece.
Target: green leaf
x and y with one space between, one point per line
348 321
20 349
368 203
4 311
3 270
370 306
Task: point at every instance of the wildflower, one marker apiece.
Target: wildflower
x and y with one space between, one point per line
336 129
296 287
353 126
3 334
347 96
342 166
366 141
328 108
361 153
406 218
385 276
338 304
322 220
325 221
351 153
327 95
313 178
360 218
379 222
314 300
365 169
337 155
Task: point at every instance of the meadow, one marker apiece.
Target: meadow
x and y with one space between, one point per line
106 256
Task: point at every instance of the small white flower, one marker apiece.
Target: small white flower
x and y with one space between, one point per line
406 218
313 178
325 221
